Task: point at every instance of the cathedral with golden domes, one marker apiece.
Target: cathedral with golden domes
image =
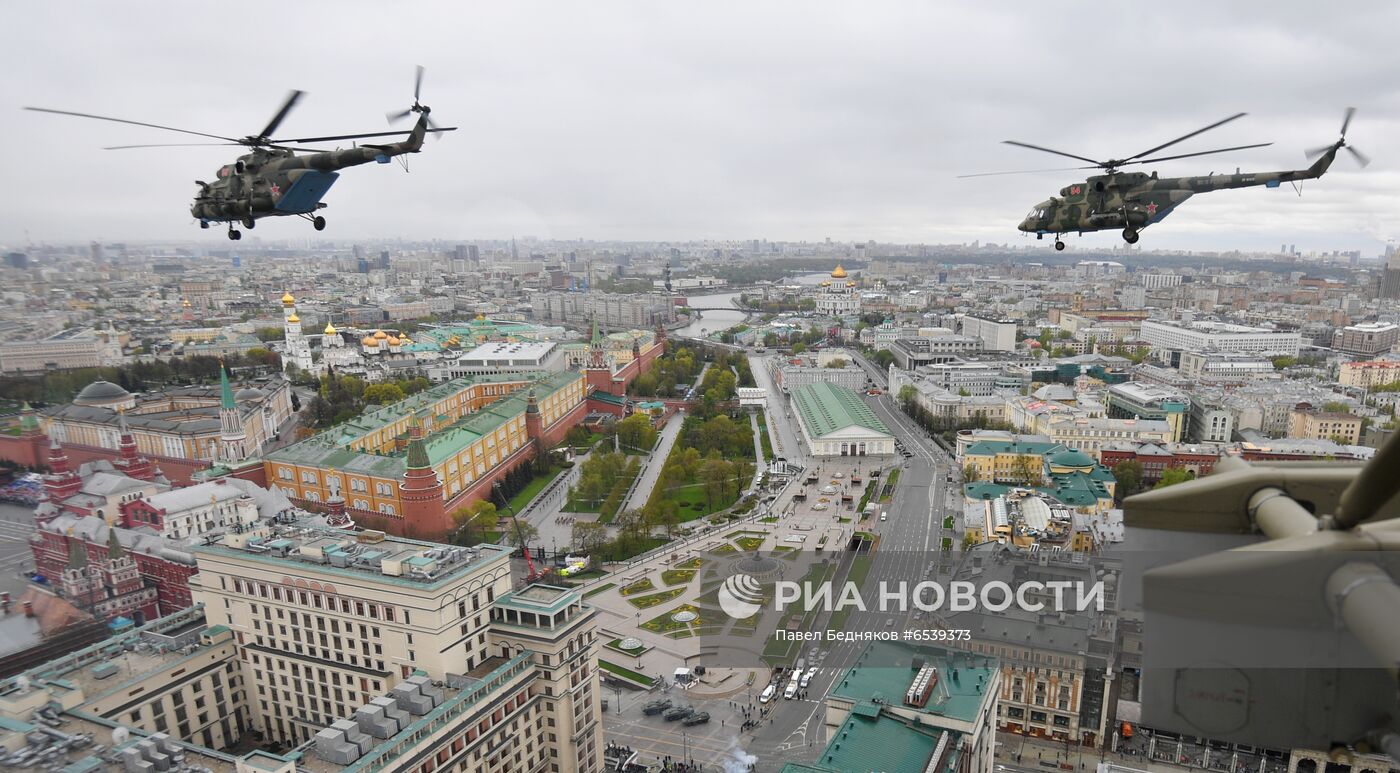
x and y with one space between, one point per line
296 349
837 296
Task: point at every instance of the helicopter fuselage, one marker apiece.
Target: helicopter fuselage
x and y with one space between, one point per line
272 182
1135 200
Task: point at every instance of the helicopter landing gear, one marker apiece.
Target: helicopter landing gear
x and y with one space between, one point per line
234 234
1130 235
249 222
319 223
1059 245
204 224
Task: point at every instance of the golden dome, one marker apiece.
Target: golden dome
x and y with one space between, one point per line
405 341
393 341
850 284
838 272
330 329
380 334
825 283
369 341
294 318
288 300
185 303
480 317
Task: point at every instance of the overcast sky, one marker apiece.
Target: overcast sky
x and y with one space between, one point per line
648 120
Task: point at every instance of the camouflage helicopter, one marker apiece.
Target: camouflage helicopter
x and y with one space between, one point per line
1134 200
272 179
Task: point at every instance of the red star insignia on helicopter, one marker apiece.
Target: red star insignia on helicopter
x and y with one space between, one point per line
1074 190
1151 209
276 190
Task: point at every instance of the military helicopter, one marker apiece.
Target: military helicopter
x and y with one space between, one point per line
272 180
1134 200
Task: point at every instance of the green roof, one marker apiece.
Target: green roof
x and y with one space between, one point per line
992 448
882 743
884 671
825 408
328 449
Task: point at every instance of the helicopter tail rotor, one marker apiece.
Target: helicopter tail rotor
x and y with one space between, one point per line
417 106
1361 158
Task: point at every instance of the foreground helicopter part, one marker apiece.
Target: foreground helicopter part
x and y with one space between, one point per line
278 178
1293 641
1134 200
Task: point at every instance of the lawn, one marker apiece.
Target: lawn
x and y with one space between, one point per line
749 543
639 586
726 548
769 519
533 488
865 498
948 522
664 623
860 568
649 601
616 644
677 576
888 491
626 673
694 563
600 589
763 436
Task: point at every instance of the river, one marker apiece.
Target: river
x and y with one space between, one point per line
711 321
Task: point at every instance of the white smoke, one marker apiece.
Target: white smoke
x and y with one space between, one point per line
738 760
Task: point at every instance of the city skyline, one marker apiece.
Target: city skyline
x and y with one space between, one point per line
665 125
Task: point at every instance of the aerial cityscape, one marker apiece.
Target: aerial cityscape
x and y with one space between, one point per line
724 447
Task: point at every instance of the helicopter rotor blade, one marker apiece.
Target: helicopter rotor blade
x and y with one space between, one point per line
287 106
1048 150
1346 119
1024 171
175 145
1201 153
417 83
1312 153
133 123
1361 158
276 143
399 116
1183 137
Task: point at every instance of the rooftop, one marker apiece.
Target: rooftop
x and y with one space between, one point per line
826 408
883 672
365 555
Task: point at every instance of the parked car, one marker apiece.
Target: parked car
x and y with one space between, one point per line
807 677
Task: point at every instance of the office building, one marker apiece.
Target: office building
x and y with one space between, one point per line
997 335
1369 374
1367 339
1137 400
1165 336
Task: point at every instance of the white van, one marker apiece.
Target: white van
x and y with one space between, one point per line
767 694
885 516
791 690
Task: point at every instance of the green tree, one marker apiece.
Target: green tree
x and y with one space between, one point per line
1128 474
799 348
382 394
520 534
635 433
589 536
715 474
837 362
270 333
970 473
472 522
907 393
1172 476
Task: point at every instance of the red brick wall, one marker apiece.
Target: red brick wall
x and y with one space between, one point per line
178 471
31 452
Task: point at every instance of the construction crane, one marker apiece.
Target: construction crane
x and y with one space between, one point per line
532 573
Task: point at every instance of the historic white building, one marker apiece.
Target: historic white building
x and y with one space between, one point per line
837 296
296 349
